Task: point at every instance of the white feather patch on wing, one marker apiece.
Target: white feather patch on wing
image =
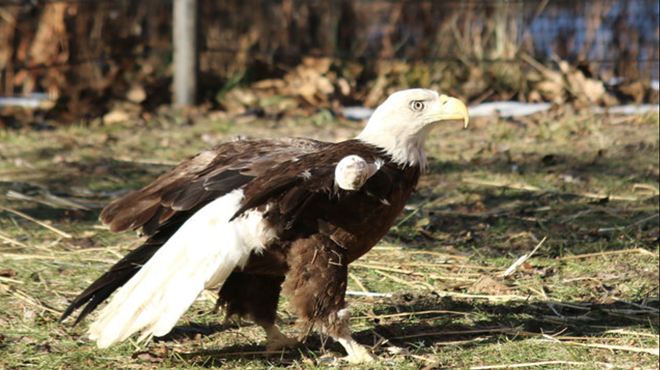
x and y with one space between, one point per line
353 171
201 254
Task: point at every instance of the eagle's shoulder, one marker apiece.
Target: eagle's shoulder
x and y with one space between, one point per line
293 184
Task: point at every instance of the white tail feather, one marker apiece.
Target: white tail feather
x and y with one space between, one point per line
201 254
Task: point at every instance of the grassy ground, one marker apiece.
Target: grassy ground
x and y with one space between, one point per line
579 190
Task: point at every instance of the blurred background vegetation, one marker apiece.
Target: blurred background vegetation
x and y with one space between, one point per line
87 56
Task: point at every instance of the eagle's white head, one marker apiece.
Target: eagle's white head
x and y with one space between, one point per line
401 124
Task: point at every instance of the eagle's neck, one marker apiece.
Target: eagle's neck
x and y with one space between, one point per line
405 150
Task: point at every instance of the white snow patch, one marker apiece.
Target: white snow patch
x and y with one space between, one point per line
507 109
31 101
627 109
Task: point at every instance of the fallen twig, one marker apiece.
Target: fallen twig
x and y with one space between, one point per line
40 223
651 189
638 223
401 281
54 201
450 256
529 364
652 351
531 188
219 351
159 162
492 298
522 259
18 256
53 258
369 294
636 304
628 332
12 241
460 332
599 254
358 282
412 213
10 280
32 300
390 269
405 314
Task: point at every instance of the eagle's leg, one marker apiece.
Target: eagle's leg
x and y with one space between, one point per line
255 297
316 286
276 340
357 353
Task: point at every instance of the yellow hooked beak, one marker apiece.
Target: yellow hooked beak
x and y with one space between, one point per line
452 108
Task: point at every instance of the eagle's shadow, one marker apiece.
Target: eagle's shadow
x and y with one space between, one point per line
421 333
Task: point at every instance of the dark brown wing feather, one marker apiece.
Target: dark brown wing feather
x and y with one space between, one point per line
161 207
123 270
293 183
202 179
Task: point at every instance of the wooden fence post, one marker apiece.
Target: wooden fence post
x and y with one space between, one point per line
185 51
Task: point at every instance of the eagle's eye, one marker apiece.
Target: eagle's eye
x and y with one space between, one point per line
417 105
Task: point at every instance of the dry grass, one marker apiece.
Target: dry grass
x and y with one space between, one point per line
577 191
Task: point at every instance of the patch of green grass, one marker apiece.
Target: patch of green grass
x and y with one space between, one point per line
587 298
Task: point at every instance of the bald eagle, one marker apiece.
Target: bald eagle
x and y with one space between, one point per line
257 217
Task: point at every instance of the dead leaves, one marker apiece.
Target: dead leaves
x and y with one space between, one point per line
155 355
488 285
568 83
8 273
311 81
310 84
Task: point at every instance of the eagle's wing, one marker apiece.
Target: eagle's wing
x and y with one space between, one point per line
201 179
161 207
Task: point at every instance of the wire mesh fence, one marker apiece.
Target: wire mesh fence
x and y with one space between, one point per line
71 46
